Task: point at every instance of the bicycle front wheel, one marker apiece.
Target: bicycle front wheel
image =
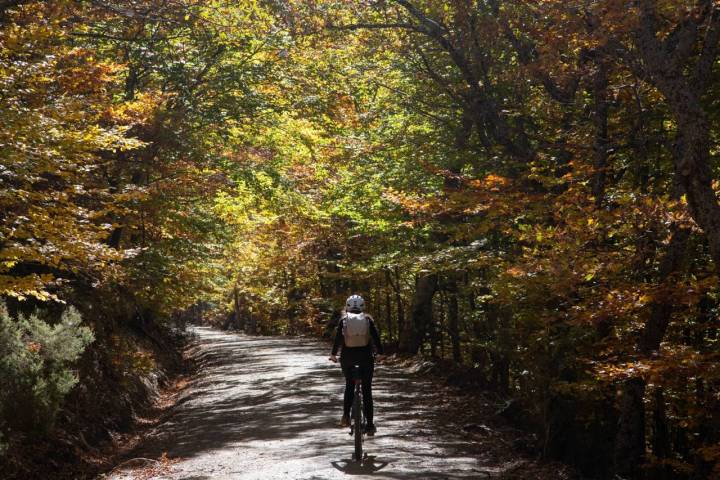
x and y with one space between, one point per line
358 427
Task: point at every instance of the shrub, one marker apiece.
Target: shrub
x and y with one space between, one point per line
36 359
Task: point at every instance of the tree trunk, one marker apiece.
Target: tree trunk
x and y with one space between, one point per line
600 121
639 140
630 439
252 322
420 317
693 169
401 321
680 66
660 434
662 307
500 372
388 305
470 293
435 330
239 323
453 320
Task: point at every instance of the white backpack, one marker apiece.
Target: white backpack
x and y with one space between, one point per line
356 330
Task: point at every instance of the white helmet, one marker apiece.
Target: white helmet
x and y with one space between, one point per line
355 302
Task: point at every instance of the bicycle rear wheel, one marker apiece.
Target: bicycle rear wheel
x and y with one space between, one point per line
357 424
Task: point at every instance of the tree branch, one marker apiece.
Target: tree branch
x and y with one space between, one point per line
438 79
646 38
432 26
709 50
376 26
103 36
679 44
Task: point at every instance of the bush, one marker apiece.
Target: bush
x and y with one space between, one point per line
36 360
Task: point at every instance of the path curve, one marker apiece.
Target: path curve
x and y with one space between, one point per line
266 408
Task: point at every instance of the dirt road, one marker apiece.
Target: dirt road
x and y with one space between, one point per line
266 408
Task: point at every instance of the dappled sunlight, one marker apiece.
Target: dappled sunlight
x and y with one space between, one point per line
524 195
265 408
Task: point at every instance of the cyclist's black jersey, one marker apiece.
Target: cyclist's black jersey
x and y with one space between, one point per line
357 355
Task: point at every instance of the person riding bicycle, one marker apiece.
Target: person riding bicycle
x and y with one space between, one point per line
357 334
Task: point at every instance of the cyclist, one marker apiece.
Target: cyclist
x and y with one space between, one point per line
357 334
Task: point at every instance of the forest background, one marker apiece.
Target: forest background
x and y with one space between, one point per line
526 191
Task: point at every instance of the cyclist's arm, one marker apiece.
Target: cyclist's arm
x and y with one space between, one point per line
375 337
338 338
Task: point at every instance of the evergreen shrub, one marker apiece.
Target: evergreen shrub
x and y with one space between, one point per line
36 368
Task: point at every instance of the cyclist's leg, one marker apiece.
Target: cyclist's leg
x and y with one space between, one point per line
349 390
367 375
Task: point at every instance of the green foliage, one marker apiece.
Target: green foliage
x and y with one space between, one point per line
273 157
36 360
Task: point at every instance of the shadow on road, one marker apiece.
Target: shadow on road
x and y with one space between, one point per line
369 465
267 408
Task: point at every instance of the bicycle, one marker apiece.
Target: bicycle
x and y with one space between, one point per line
358 424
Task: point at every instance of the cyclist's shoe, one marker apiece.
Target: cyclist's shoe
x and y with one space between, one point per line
345 421
370 430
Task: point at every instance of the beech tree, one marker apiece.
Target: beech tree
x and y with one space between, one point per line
524 191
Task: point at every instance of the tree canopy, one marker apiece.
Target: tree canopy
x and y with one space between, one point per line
526 189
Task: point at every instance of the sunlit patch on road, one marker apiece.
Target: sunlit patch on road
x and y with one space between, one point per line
267 408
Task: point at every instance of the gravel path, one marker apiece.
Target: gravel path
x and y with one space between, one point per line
267 407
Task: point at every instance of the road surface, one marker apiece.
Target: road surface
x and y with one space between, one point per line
267 408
